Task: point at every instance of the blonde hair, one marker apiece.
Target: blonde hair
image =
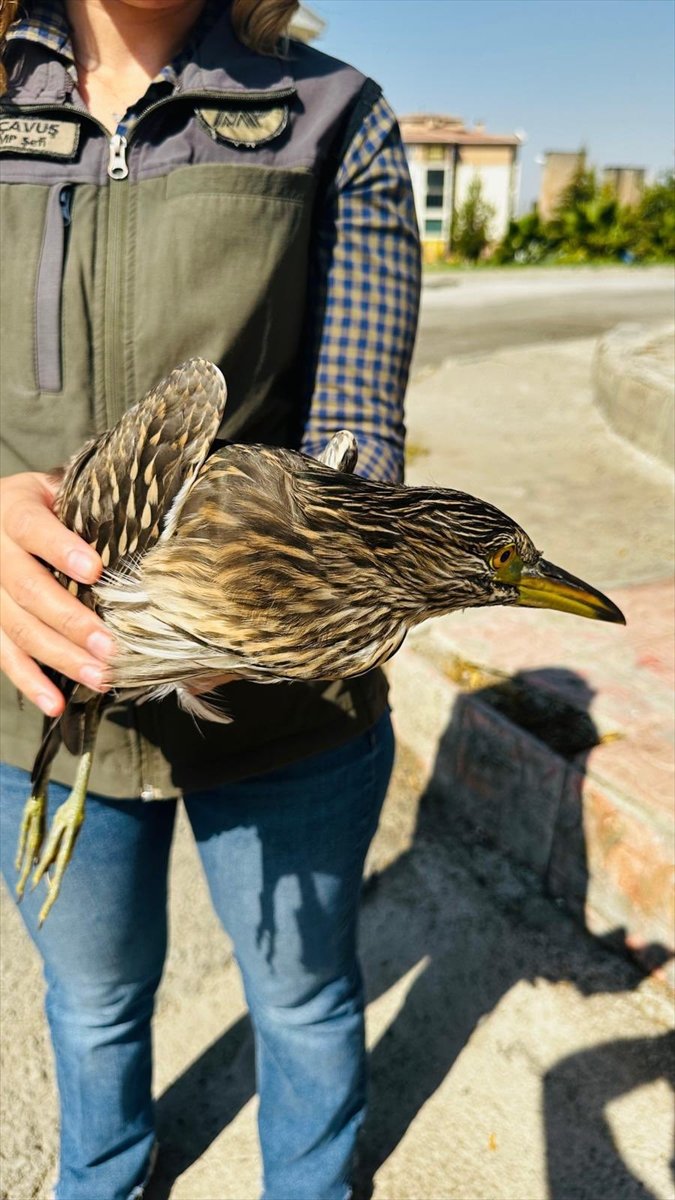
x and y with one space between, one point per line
259 24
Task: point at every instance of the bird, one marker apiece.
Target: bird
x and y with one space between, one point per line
226 559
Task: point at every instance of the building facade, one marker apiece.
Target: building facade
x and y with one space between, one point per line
444 157
560 168
627 182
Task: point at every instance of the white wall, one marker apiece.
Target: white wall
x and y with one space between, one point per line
495 185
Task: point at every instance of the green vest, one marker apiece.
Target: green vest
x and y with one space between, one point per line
119 262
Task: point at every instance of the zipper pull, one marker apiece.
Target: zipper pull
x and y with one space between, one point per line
117 159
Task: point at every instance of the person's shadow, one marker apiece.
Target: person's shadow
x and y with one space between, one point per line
464 966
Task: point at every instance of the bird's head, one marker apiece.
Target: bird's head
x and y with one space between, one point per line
476 555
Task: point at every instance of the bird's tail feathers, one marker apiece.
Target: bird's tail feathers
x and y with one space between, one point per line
199 706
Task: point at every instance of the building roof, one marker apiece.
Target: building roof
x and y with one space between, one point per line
431 128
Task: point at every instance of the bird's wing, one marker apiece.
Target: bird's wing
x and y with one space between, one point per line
262 577
118 490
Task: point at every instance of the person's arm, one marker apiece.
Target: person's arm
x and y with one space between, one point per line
40 622
363 300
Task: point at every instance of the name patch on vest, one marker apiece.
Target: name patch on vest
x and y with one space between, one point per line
34 135
248 127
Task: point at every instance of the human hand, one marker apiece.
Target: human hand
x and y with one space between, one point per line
39 619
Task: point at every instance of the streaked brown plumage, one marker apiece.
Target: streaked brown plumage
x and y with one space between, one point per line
264 563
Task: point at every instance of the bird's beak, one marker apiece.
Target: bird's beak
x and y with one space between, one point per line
548 586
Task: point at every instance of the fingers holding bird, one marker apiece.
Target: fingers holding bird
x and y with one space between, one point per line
29 523
41 621
28 638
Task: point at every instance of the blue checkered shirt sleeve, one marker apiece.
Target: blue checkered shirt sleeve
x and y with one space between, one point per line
364 299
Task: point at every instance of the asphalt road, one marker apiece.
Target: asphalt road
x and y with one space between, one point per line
468 314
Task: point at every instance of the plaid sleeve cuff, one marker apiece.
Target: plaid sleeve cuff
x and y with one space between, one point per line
364 299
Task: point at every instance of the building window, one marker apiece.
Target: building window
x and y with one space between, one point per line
434 153
435 188
433 227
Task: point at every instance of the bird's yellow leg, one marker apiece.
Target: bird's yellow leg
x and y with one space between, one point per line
69 817
63 833
30 836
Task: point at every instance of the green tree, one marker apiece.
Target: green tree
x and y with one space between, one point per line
581 189
571 230
650 226
472 223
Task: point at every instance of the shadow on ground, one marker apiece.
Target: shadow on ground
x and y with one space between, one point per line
469 966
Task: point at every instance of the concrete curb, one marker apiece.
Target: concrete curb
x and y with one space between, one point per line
634 383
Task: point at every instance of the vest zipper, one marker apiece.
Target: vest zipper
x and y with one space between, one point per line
49 289
117 157
116 284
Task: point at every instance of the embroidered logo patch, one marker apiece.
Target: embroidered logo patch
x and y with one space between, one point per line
248 127
34 135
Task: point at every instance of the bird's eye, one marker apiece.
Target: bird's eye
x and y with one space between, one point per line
504 556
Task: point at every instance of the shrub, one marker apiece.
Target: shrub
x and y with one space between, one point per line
470 234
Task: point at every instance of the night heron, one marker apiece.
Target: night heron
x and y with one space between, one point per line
260 563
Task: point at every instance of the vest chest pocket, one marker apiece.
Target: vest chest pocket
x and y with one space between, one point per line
232 288
49 289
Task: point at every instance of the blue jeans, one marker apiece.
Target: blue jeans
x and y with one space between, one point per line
283 855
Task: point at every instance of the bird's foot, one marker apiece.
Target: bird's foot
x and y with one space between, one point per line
31 835
62 837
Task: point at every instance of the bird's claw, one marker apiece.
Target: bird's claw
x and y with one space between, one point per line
62 837
31 835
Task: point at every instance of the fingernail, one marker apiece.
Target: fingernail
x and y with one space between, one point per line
93 677
101 644
48 705
82 566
